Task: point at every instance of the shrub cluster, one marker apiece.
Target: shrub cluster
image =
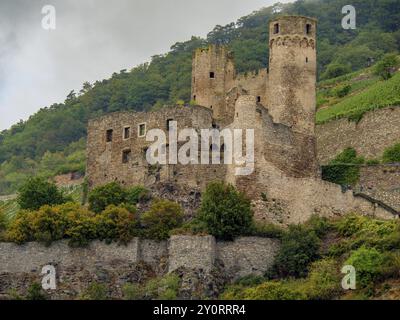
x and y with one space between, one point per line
164 288
114 194
225 212
37 192
80 225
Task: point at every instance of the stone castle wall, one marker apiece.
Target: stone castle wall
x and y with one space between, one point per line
381 182
76 268
376 131
105 158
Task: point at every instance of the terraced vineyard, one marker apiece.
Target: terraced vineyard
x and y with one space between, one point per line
352 95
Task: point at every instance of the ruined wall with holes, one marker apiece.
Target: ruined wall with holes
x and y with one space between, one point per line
122 158
278 104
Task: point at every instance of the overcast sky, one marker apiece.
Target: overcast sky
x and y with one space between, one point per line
92 39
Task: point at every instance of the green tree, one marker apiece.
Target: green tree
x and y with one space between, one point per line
225 211
163 216
103 196
387 66
299 249
37 192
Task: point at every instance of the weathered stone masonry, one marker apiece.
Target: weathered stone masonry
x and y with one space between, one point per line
20 265
277 103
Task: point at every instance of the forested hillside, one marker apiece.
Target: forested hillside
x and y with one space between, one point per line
52 140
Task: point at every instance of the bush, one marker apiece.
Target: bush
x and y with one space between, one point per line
164 288
323 282
299 248
342 90
35 292
117 223
335 70
392 154
266 230
387 66
137 194
271 290
344 169
103 196
132 291
225 211
95 291
50 224
163 216
368 264
37 192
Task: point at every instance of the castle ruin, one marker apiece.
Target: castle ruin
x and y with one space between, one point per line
277 103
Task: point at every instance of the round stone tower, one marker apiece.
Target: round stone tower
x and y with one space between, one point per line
292 72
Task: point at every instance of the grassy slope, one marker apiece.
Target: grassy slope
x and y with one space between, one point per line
367 93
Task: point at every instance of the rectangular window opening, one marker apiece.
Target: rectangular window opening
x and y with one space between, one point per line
142 130
308 28
109 135
127 133
126 156
212 75
258 99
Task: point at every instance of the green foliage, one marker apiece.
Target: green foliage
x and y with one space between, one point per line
167 78
344 169
368 264
342 90
379 95
392 154
137 194
225 211
35 292
267 230
50 224
323 282
37 192
387 66
163 216
271 290
335 70
163 288
132 291
299 248
103 196
95 291
117 223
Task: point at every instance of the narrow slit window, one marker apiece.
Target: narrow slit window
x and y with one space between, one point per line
258 99
127 132
126 156
109 135
306 59
276 28
212 75
308 28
